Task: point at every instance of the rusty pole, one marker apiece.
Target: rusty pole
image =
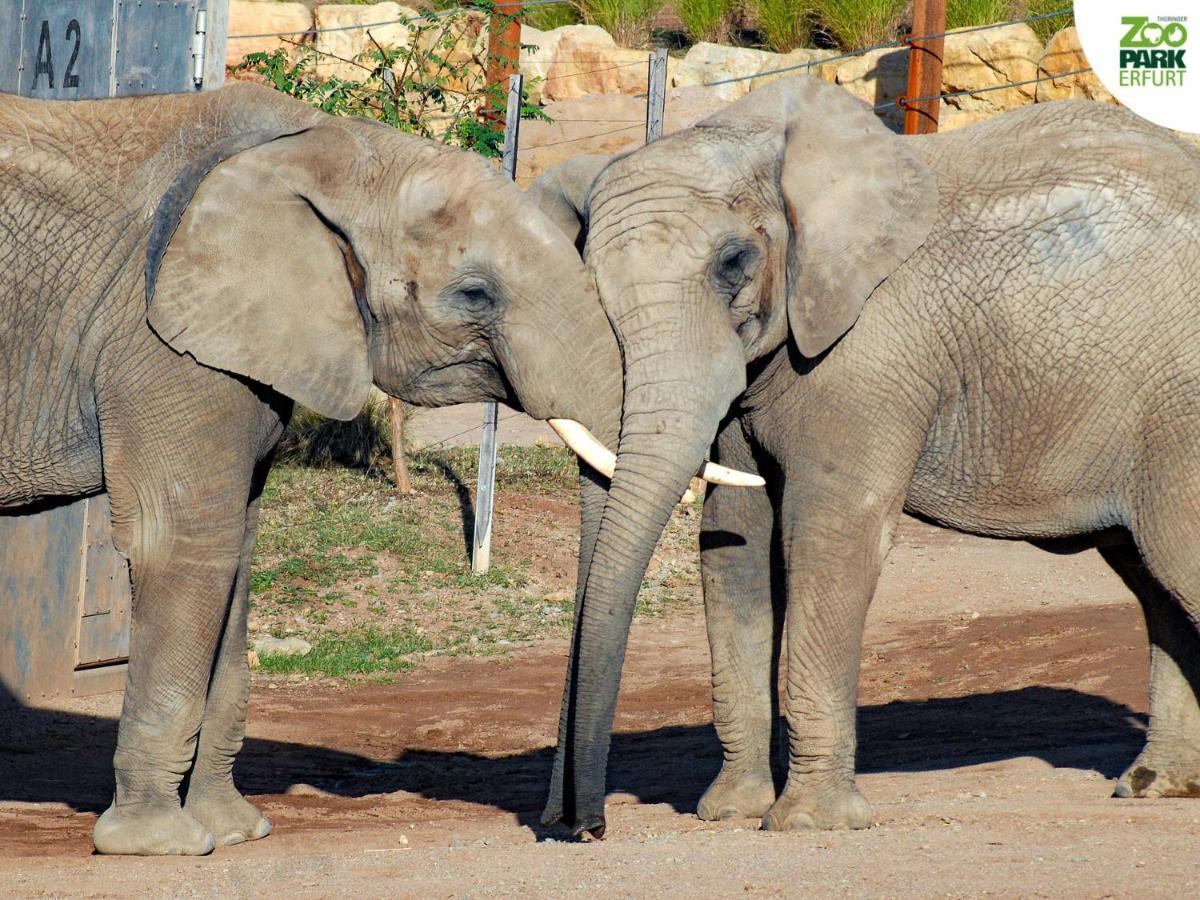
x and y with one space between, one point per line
503 54
925 66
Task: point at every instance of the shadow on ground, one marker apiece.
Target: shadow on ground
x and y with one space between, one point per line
55 757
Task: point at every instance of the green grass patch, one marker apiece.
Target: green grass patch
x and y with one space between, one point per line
364 651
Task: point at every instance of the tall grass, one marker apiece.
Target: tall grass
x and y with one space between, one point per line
853 24
707 20
556 15
1046 28
784 24
364 442
628 21
966 13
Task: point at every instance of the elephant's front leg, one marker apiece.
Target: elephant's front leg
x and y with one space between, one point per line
212 797
743 608
183 576
835 541
179 500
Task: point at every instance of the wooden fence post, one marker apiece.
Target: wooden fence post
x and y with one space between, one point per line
925 67
481 552
656 94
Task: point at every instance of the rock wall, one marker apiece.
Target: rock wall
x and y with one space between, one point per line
594 89
578 60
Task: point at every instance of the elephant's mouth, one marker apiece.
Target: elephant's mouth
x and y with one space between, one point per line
468 381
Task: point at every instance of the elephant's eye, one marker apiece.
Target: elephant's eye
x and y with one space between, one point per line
734 264
474 296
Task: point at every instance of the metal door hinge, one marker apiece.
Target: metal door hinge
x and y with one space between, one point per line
198 42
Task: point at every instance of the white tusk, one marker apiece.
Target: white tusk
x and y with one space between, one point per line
604 461
585 445
716 474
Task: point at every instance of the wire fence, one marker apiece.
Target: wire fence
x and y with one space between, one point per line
901 44
402 20
904 43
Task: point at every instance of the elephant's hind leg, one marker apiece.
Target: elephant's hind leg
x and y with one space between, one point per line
741 576
212 797
1168 587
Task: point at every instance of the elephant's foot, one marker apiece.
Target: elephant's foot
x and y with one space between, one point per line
841 807
1158 774
227 814
151 830
746 795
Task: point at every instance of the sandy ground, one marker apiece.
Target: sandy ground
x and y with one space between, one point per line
1003 690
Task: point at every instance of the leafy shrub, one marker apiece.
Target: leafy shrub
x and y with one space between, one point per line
628 21
784 24
706 20
854 24
430 87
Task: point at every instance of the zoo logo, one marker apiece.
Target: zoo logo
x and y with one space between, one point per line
1152 52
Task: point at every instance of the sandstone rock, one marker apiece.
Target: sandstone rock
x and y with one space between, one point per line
289 646
707 63
603 123
878 77
580 59
985 59
263 17
338 48
1065 54
789 61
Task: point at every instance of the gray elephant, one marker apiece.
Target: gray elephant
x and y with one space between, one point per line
994 328
174 273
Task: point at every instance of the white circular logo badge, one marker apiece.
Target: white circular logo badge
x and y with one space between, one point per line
1144 52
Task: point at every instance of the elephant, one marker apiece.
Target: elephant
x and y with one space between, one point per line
992 328
176 272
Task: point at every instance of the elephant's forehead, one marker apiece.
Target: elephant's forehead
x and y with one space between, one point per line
707 161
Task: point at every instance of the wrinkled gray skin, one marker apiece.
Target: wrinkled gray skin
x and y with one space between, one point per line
285 255
994 328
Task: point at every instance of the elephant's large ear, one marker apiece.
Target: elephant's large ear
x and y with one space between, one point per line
249 271
859 202
562 191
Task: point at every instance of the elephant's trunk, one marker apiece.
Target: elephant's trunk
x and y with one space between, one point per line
558 347
676 395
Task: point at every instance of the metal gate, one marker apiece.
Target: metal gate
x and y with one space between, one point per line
64 590
85 49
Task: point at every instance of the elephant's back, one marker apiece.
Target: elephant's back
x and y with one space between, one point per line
1057 290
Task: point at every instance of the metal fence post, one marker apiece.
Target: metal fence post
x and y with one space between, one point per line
925 67
656 94
481 552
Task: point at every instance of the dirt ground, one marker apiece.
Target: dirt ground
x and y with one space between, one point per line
1003 690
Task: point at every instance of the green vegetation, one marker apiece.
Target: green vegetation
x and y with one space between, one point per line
628 21
852 24
376 582
552 16
432 86
1046 28
707 20
363 651
784 24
